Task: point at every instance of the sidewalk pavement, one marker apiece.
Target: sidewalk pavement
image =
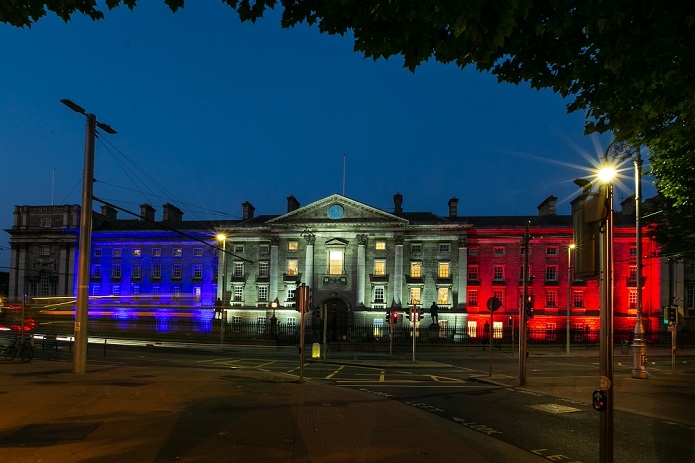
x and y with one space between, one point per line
116 413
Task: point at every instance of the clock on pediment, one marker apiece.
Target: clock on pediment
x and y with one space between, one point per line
335 212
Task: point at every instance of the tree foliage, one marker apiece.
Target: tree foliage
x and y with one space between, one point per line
628 65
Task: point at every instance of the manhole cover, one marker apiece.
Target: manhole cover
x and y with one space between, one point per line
53 433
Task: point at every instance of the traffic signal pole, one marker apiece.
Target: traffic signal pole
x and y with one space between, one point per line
522 312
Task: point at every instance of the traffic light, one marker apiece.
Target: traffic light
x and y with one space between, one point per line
599 400
409 314
529 307
318 313
672 315
388 316
420 313
394 317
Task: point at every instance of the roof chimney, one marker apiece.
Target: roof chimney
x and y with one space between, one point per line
453 207
109 213
171 213
292 203
247 211
147 212
397 203
547 207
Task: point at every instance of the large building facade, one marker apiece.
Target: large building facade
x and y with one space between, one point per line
359 261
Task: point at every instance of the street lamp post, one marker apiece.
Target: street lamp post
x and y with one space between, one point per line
639 345
222 238
570 248
85 241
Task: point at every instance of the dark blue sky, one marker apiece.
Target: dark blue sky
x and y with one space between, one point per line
211 113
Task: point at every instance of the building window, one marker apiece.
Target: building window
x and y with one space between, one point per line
416 269
176 293
137 252
292 267
196 293
379 295
116 252
238 248
578 299
263 294
156 252
116 291
498 273
177 252
498 251
116 272
238 269
263 249
198 271
690 297
197 252
136 292
176 272
96 290
136 274
238 293
156 271
472 328
155 293
633 273
263 269
443 271
499 295
335 262
473 252
551 299
415 294
473 272
521 273
551 273
473 297
632 299
444 247
416 248
46 223
45 250
290 295
97 252
551 251
260 325
633 251
379 267
96 271
291 322
443 296
551 331
380 245
293 245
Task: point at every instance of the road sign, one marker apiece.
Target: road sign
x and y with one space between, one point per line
493 304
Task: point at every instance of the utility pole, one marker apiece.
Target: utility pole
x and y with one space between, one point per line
522 310
639 344
85 242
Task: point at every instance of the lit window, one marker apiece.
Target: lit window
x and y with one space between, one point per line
473 272
196 293
416 248
551 251
578 299
156 271
378 294
292 245
444 247
116 272
198 271
335 262
197 252
498 251
116 252
380 268
380 245
498 273
415 295
443 270
416 269
632 299
176 271
137 252
473 297
238 269
551 273
156 252
551 298
292 267
442 296
177 252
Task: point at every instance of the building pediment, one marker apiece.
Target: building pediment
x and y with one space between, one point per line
339 210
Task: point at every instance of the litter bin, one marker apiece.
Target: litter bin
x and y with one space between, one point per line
624 347
316 350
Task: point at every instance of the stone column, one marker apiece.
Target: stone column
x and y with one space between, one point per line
398 271
274 270
361 268
462 286
309 266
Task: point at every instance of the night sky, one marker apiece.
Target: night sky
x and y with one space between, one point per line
211 112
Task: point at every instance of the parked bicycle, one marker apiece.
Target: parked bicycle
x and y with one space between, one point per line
23 349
